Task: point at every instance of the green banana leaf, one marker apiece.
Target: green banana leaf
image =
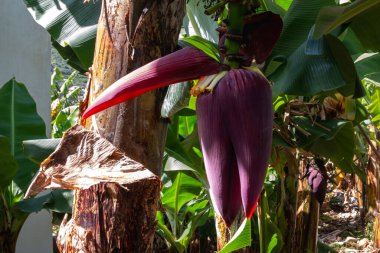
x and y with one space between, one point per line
308 71
347 68
176 99
271 240
352 42
241 239
72 25
201 24
332 139
20 121
182 144
183 189
59 201
367 66
359 14
206 46
8 164
298 21
38 150
374 106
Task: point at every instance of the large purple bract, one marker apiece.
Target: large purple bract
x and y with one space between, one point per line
235 128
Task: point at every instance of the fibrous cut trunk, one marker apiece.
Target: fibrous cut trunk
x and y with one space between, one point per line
116 199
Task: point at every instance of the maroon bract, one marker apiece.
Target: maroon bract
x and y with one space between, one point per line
186 64
261 32
235 128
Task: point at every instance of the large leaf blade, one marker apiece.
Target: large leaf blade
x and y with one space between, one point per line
39 150
20 121
332 139
301 74
72 25
8 164
330 17
184 189
298 21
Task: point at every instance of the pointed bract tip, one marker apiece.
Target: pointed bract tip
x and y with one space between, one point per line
186 64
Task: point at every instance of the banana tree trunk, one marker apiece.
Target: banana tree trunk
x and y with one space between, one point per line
307 216
373 189
130 34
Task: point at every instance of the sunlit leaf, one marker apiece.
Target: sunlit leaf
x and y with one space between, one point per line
198 23
20 121
367 65
241 239
206 46
184 189
72 25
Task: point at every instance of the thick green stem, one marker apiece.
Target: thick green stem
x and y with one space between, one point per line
236 12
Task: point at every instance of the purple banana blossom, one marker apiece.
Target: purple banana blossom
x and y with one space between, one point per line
235 129
317 179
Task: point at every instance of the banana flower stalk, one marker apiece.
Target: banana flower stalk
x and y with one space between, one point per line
234 110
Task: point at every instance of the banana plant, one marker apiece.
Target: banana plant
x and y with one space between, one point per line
65 97
236 152
19 122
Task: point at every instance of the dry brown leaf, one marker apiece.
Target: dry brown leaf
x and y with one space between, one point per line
83 159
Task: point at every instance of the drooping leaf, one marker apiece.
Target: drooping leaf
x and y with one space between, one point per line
61 201
302 72
241 239
346 66
298 21
39 150
331 17
8 164
332 139
72 25
57 200
20 121
370 36
351 42
183 148
35 204
367 65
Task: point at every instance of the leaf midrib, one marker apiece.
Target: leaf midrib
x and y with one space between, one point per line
13 130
